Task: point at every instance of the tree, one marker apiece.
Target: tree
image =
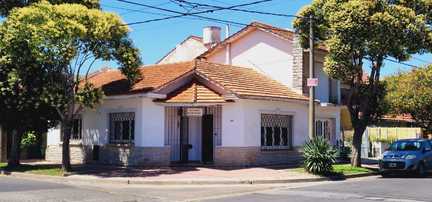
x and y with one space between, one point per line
361 34
411 93
7 5
20 90
65 41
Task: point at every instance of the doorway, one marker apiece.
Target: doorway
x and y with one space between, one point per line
196 138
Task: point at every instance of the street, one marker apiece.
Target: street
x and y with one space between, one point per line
361 189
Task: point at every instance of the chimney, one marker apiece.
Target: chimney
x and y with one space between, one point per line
211 35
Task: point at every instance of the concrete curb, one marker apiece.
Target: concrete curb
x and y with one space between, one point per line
181 182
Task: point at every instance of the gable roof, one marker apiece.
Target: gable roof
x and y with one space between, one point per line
240 81
194 92
282 33
193 37
279 32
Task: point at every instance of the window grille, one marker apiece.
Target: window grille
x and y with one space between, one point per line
276 131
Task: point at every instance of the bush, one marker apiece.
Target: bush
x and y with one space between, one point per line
343 152
319 156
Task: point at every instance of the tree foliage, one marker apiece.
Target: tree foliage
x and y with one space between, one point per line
7 5
411 93
361 34
61 43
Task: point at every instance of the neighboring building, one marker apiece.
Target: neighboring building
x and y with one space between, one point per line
187 50
230 106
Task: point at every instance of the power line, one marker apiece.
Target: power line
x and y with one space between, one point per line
240 10
403 63
195 14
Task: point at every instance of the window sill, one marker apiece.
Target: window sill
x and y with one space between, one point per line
125 145
270 149
73 143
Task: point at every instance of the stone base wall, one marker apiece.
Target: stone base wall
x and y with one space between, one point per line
79 153
3 146
134 156
255 156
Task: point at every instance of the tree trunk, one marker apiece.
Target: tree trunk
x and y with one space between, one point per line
66 165
356 146
14 156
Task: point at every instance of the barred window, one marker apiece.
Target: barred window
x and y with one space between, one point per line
322 128
276 131
76 129
122 127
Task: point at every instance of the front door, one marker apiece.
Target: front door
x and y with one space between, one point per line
184 140
207 138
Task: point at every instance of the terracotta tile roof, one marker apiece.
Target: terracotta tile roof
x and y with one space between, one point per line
194 92
240 81
399 117
246 81
284 33
114 83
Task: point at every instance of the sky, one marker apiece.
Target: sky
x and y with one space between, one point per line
155 39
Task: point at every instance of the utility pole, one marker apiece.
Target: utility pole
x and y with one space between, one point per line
312 82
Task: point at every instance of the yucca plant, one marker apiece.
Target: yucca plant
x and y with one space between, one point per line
319 156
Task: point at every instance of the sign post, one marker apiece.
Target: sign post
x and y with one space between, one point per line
312 81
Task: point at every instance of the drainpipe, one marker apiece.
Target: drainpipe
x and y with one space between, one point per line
228 45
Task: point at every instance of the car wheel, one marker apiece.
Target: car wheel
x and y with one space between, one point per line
385 175
421 170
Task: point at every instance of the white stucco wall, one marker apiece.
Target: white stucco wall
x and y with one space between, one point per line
241 124
262 51
149 122
186 51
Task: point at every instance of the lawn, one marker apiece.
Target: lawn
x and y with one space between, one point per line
347 169
52 170
342 169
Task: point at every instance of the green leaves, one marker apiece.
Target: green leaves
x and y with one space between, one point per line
411 93
319 156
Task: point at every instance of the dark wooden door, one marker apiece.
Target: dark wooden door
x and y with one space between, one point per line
184 140
207 138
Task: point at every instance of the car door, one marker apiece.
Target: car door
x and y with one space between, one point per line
427 154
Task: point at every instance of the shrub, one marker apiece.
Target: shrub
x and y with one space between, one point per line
319 156
343 152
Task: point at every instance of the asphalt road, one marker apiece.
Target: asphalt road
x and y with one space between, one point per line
364 189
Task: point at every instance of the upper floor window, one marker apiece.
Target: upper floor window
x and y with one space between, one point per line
276 131
323 128
122 127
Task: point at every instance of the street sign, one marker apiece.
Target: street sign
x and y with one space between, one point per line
313 82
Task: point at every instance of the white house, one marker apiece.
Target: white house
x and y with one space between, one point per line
240 101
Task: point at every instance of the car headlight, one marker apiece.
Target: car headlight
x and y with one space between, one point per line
410 156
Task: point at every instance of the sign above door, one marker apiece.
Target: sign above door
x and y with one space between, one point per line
194 111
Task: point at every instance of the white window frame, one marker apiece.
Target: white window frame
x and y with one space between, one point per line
277 123
323 128
122 116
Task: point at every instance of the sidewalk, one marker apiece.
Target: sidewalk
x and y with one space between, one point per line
181 175
193 175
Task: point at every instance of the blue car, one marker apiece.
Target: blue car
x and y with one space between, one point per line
407 156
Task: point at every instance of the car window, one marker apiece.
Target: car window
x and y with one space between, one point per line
405 146
427 145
